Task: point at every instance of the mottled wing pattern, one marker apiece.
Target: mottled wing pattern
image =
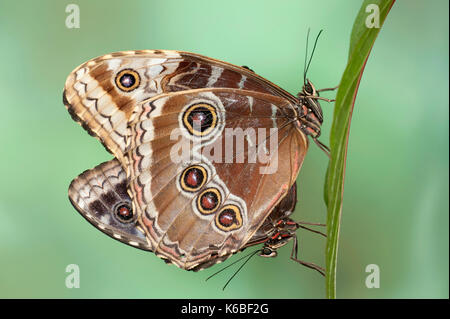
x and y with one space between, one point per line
207 205
102 93
95 97
98 194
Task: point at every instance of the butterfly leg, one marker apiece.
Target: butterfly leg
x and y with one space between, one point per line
312 230
328 89
321 98
304 263
323 147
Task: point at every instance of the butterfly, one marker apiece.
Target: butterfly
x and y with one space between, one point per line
198 208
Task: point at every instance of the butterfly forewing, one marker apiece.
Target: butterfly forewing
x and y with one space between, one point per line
102 93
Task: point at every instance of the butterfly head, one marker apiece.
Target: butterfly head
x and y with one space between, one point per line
310 111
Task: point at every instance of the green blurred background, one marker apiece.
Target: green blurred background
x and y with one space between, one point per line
396 203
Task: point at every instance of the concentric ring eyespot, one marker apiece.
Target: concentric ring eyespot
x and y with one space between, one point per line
200 119
127 80
229 218
208 201
193 178
124 212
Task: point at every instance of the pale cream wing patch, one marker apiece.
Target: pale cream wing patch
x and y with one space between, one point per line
101 94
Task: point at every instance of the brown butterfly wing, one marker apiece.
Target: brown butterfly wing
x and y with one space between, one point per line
173 215
98 194
102 96
284 209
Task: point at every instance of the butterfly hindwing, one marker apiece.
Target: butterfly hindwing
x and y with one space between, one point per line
284 209
100 195
204 205
87 195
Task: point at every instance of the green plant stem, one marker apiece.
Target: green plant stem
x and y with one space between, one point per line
361 42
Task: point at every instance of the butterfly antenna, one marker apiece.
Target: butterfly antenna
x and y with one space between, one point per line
239 269
306 58
312 53
234 262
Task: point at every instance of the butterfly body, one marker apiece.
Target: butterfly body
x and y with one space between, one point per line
202 206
